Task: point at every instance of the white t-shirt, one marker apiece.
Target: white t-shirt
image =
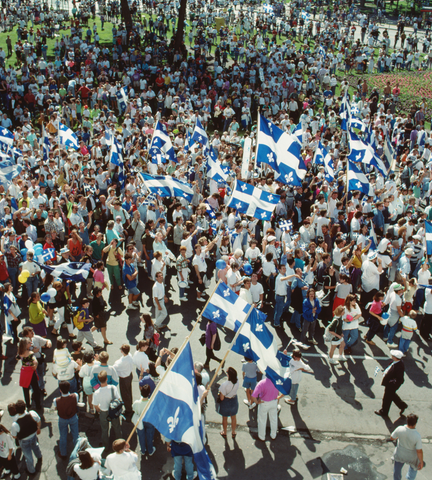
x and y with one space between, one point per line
140 360
370 277
256 291
123 465
354 323
227 389
6 443
88 474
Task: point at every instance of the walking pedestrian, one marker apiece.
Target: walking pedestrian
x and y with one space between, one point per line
67 408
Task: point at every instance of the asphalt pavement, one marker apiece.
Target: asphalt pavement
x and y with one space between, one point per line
331 427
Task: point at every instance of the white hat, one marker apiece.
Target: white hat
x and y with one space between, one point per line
372 255
409 251
396 353
271 238
417 237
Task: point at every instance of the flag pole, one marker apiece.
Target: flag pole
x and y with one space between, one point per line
153 396
229 350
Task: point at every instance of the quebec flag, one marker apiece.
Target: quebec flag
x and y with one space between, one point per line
6 136
74 271
166 186
199 135
226 308
215 171
364 153
322 157
357 180
46 144
67 137
116 158
255 341
281 151
253 201
161 148
122 98
428 236
8 171
174 410
345 112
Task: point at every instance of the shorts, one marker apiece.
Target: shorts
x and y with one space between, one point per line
133 291
249 382
88 389
337 341
100 321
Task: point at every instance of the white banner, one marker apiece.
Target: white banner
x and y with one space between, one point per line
246 157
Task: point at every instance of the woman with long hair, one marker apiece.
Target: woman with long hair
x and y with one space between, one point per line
351 322
228 402
88 468
37 314
28 375
150 335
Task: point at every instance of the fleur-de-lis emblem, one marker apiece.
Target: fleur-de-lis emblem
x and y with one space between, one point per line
271 157
358 185
173 421
263 215
259 328
246 346
244 187
270 198
270 127
159 192
238 205
279 382
216 314
226 292
200 138
289 178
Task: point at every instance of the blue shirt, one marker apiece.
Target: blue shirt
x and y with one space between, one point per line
129 270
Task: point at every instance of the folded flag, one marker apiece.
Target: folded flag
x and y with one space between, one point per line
226 308
255 341
74 271
67 137
253 201
167 186
116 158
175 411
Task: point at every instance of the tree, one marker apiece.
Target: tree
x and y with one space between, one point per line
181 24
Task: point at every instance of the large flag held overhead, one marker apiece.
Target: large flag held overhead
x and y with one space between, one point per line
345 111
46 145
361 152
6 136
281 151
8 171
215 170
74 271
428 236
167 186
175 411
322 157
161 148
255 341
253 201
357 180
122 98
226 308
47 254
199 135
67 137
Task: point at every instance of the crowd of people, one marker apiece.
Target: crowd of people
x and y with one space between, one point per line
345 265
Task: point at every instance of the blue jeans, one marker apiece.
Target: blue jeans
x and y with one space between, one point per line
296 319
145 437
13 274
350 337
397 472
148 262
389 332
72 423
32 285
279 309
293 391
178 464
404 344
28 447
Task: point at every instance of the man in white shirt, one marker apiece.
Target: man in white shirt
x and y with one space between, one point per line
102 398
372 269
124 367
283 291
257 290
123 462
159 301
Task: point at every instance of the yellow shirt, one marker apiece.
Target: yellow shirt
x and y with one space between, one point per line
111 259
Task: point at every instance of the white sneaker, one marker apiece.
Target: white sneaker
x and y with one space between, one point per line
190 283
183 299
246 402
392 345
252 406
18 475
136 304
289 401
132 307
342 358
152 452
200 299
333 361
195 475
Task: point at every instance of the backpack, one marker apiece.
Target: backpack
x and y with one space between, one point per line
76 320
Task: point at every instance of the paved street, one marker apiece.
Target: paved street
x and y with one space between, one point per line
332 426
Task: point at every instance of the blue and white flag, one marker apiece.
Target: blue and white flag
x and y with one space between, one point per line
355 122
322 52
46 145
267 8
200 136
215 171
373 238
8 171
47 255
122 99
67 137
175 411
298 133
323 157
210 212
357 180
116 158
255 341
167 186
226 308
6 136
188 142
345 112
421 138
253 201
74 271
306 16
285 225
389 156
428 236
364 153
161 148
281 151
